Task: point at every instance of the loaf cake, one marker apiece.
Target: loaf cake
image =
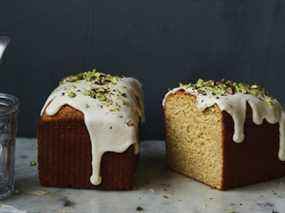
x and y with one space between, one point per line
88 132
224 134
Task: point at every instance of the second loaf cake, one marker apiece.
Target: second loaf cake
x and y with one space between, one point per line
224 134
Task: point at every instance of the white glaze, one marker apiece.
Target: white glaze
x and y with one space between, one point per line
108 130
235 105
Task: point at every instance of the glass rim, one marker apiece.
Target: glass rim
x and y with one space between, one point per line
12 103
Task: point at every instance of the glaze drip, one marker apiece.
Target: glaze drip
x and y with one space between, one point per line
235 103
112 109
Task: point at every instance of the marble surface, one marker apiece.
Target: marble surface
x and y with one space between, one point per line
158 190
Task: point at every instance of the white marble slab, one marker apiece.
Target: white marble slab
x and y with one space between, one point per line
158 190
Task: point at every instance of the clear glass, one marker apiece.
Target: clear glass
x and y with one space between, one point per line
8 127
4 41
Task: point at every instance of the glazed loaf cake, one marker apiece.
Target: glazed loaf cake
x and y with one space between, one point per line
88 132
224 134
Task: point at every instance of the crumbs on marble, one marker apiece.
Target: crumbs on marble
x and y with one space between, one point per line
33 163
165 186
23 156
276 194
17 192
66 202
139 209
265 204
38 192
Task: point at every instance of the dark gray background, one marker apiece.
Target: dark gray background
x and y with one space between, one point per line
157 41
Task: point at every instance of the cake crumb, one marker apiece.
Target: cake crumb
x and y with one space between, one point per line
66 202
130 123
17 192
39 192
139 209
165 184
265 204
33 163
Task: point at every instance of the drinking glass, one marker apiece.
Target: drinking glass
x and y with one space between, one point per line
4 41
8 126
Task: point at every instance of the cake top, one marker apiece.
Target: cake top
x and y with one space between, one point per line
94 76
227 87
112 107
98 86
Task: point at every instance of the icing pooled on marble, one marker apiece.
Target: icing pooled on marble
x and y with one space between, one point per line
112 107
233 98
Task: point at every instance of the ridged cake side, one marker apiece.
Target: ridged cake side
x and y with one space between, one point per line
64 155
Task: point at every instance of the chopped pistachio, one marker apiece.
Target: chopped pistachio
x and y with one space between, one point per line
71 94
185 85
33 163
101 97
200 82
101 89
226 87
125 103
88 93
114 79
93 75
115 109
269 100
71 78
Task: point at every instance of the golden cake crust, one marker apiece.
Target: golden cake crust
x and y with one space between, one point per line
64 155
65 113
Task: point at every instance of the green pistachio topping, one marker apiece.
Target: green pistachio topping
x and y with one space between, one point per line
226 87
93 76
71 94
101 89
33 163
